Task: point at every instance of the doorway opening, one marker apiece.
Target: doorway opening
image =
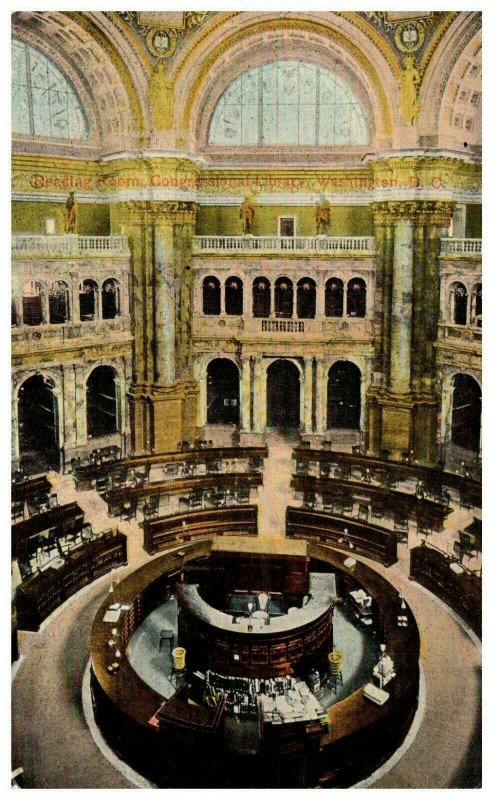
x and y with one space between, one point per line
222 392
283 395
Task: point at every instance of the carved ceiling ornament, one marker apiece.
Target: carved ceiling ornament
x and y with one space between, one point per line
162 31
407 31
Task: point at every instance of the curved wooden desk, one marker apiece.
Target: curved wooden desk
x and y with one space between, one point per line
367 540
85 474
164 532
461 590
361 735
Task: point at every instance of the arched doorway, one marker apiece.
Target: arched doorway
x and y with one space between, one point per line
38 425
283 395
466 413
222 392
343 396
102 412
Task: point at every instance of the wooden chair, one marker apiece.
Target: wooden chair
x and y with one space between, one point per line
401 524
377 511
363 512
243 495
309 500
327 502
347 504
324 470
151 507
17 509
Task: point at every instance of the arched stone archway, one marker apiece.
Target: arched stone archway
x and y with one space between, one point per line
102 402
222 392
283 394
38 416
344 396
466 413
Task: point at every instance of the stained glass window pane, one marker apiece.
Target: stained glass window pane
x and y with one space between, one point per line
289 102
44 102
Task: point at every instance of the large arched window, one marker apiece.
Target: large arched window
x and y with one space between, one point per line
211 296
288 103
110 299
59 303
476 305
305 298
43 101
283 297
234 296
102 402
356 298
261 297
334 297
459 303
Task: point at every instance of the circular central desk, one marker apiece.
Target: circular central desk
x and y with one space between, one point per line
359 735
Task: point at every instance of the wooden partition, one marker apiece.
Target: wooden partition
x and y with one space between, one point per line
68 518
39 596
85 475
224 481
460 589
166 532
367 540
434 513
402 469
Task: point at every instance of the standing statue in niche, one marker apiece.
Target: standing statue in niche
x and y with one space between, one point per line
161 98
409 91
70 221
322 217
247 214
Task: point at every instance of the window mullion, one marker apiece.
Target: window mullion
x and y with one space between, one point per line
30 96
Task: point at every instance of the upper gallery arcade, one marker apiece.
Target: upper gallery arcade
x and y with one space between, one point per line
317 173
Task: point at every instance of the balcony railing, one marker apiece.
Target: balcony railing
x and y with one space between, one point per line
27 244
280 244
461 246
46 336
466 335
251 328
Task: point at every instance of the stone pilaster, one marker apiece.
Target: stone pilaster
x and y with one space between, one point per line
163 394
403 404
307 395
246 394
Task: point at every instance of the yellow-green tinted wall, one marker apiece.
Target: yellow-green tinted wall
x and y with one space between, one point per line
225 221
29 217
474 222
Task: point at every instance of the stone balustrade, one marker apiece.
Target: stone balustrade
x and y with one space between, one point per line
461 247
280 244
27 244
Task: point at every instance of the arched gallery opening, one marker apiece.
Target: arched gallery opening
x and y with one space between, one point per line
102 402
222 392
283 395
38 424
466 413
343 396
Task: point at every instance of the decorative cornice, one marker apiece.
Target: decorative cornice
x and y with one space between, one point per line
156 212
435 212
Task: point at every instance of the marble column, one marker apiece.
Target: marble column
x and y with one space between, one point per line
69 394
400 352
80 408
246 394
164 305
320 422
307 395
260 395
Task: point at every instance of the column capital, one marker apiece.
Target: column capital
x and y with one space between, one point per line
423 212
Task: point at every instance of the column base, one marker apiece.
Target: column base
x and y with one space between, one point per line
252 439
162 416
401 423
